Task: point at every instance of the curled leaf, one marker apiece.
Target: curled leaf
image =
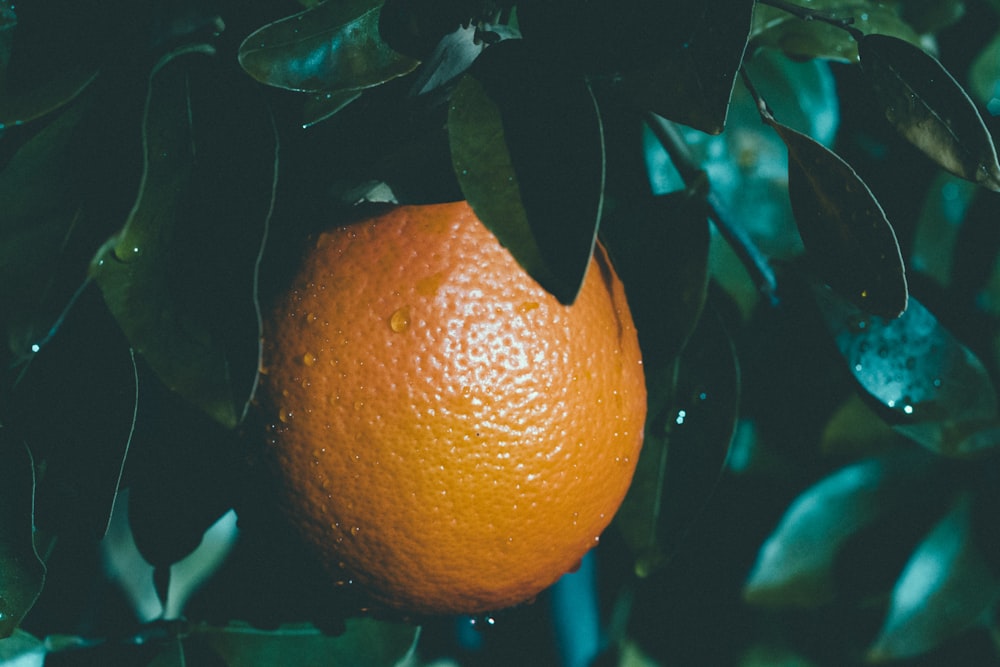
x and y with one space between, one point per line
843 227
333 46
944 589
930 109
527 147
927 384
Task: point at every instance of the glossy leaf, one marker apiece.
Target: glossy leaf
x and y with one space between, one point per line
22 572
928 107
776 29
334 46
927 384
322 106
364 643
22 650
796 565
186 307
843 227
687 441
527 148
692 83
450 59
944 589
54 94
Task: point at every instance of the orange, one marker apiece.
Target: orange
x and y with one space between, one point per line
447 434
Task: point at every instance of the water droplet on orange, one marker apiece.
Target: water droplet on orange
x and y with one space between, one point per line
400 320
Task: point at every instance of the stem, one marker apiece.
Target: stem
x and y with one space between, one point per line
753 260
807 14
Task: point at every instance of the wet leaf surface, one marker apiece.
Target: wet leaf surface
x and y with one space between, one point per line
843 227
22 572
54 94
693 82
922 380
180 276
686 445
334 46
944 589
527 148
364 643
796 565
928 107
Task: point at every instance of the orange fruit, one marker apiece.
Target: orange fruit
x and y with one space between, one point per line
446 433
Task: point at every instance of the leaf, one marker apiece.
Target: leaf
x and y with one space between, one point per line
46 98
450 59
844 229
776 29
22 572
927 384
930 109
528 150
796 564
321 106
692 83
364 643
334 46
944 589
687 442
187 306
22 650
984 76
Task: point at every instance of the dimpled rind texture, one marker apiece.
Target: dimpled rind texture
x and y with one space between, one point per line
448 435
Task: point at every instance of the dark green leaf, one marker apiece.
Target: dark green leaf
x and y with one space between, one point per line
945 588
984 75
777 29
932 16
687 442
8 21
844 229
322 106
527 148
365 643
692 83
795 566
22 572
22 650
927 384
928 107
334 46
54 94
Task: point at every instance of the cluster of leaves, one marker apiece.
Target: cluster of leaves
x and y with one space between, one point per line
144 169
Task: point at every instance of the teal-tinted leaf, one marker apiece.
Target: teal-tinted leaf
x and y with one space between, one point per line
54 94
528 150
795 566
984 77
22 650
321 106
184 304
22 572
333 46
927 384
777 29
930 109
944 589
844 229
660 249
687 441
692 83
364 643
450 59
947 201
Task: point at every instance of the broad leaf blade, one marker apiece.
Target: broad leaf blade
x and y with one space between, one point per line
842 226
334 46
927 106
927 384
944 589
692 83
528 150
22 572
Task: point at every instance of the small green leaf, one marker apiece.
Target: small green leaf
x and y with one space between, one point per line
527 147
334 46
50 96
22 572
930 109
927 384
843 227
692 83
795 566
944 589
364 643
687 442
